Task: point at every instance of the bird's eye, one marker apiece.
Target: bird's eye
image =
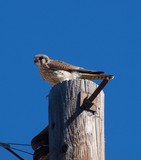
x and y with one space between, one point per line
40 58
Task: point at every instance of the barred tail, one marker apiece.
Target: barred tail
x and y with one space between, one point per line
96 76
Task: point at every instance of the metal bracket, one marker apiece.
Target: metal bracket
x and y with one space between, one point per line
88 102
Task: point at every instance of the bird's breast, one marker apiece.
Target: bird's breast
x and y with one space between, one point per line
57 76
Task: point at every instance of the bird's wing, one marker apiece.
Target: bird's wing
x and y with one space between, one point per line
59 65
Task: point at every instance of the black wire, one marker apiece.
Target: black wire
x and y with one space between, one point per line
7 145
20 150
17 144
15 154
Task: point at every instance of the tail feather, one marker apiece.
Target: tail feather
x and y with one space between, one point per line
85 71
96 76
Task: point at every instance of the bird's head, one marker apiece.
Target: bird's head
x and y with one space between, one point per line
41 59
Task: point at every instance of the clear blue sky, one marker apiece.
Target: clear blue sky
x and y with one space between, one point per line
100 35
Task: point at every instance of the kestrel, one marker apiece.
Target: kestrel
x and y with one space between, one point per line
55 71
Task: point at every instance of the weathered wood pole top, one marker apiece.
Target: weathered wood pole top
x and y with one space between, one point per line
75 134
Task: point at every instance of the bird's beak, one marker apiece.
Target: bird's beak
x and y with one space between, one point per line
35 60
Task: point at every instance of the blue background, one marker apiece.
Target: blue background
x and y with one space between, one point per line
99 35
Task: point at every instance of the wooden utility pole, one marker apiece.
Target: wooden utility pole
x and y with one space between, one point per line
75 133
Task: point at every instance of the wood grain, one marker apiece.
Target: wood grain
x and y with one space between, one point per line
75 134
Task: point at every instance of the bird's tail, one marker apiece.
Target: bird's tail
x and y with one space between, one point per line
97 76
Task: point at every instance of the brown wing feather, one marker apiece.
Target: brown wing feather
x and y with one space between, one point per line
59 65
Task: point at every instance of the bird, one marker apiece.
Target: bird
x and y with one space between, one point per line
55 71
